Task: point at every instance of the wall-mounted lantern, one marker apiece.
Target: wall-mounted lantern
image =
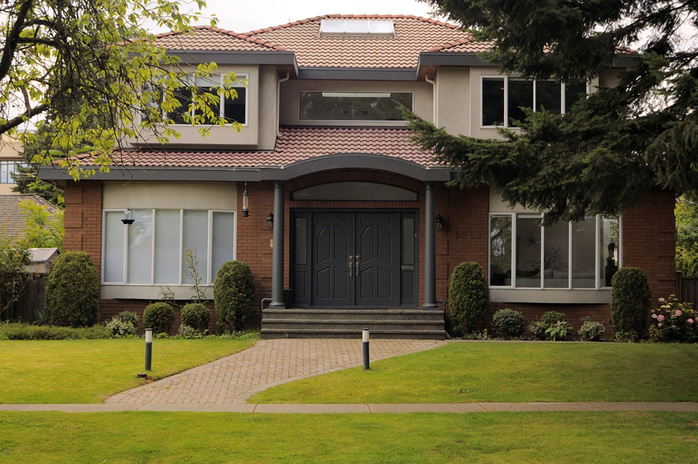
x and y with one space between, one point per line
245 202
128 217
270 221
439 222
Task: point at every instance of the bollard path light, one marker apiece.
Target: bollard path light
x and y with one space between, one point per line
148 348
364 334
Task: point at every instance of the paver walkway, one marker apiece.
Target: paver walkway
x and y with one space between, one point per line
235 378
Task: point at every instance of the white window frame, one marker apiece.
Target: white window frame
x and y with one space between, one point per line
209 278
563 95
598 254
191 80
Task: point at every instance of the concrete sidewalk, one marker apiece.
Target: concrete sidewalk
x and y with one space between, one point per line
457 408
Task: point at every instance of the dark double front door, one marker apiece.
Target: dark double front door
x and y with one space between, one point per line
361 259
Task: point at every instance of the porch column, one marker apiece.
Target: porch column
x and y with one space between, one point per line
429 248
277 270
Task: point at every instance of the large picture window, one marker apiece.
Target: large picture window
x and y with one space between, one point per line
151 251
523 254
504 97
232 109
353 106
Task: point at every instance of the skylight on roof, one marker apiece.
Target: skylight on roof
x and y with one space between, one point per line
363 28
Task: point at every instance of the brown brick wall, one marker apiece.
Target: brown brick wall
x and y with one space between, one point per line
648 235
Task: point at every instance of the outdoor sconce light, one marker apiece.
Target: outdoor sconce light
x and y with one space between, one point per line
439 222
245 202
128 217
270 221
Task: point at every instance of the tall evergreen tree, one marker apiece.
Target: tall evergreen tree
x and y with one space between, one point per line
602 156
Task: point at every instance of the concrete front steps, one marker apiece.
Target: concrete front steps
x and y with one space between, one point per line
348 323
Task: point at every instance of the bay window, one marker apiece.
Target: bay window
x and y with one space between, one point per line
574 255
151 251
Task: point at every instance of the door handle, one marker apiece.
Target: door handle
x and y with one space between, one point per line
351 266
357 265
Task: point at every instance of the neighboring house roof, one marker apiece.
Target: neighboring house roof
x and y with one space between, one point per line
294 144
11 217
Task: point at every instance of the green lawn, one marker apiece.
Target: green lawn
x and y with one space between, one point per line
88 371
509 372
147 437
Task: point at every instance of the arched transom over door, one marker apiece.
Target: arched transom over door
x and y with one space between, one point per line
362 259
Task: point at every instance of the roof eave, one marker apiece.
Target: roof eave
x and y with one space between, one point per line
224 57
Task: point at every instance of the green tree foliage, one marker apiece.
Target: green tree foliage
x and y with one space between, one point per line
72 291
93 70
630 302
468 297
41 230
603 155
233 293
687 233
13 277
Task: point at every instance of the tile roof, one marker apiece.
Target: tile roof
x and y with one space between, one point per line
213 39
11 217
413 35
294 144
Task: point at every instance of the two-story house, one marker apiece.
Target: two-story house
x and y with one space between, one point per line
322 193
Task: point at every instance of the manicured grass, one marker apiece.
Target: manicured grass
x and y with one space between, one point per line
87 371
138 437
509 372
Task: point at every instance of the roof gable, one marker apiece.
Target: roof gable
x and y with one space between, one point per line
206 38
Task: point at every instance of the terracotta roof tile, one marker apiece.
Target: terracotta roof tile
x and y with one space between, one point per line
413 35
294 144
11 217
209 38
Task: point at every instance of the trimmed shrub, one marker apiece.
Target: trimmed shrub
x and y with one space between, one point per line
551 326
189 332
72 291
18 331
196 316
591 331
128 316
158 316
233 293
509 323
630 302
119 328
468 297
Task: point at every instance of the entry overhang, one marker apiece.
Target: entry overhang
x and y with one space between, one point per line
355 161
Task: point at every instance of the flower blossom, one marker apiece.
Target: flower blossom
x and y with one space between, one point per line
660 318
690 321
677 313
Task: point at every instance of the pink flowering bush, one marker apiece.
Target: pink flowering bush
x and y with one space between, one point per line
673 321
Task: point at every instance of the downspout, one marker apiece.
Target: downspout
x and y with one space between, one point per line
278 100
433 98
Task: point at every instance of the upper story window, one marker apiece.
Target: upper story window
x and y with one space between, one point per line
503 98
564 256
351 28
353 106
233 110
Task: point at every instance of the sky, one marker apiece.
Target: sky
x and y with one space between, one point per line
249 15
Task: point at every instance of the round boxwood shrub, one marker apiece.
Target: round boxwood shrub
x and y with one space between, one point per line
197 316
233 293
128 316
630 302
72 291
509 323
468 297
552 325
158 316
